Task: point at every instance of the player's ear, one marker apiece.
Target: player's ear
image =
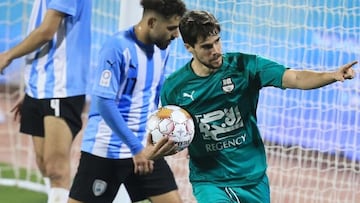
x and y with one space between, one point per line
188 47
151 22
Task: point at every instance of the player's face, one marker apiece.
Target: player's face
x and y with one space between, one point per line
164 31
208 52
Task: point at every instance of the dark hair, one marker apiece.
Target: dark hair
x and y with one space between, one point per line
198 24
166 8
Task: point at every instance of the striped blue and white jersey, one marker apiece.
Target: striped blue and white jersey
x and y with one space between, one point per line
131 73
60 67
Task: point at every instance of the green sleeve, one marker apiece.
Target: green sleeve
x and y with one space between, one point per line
270 73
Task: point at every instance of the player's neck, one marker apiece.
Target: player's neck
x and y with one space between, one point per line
200 69
141 34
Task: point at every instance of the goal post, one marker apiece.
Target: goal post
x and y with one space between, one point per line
312 138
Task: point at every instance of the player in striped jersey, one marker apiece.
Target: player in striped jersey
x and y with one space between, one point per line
126 90
221 91
57 51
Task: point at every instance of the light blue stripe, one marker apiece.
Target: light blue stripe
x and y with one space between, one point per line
50 74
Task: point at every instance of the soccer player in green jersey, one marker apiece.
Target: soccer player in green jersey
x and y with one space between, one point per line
221 91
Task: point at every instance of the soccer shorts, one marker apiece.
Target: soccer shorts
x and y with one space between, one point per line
33 112
210 193
98 179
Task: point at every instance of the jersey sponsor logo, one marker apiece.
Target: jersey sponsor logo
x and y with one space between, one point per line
227 85
185 94
105 78
99 187
223 127
234 142
132 66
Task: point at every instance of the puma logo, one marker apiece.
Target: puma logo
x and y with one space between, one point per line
189 95
110 63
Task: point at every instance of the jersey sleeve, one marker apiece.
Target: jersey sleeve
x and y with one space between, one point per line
270 73
113 118
107 76
168 94
69 7
164 95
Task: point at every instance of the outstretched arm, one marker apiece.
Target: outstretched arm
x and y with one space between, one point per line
38 37
305 79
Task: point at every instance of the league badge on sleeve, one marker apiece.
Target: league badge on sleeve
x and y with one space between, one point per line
105 78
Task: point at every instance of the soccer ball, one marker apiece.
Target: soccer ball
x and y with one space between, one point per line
174 122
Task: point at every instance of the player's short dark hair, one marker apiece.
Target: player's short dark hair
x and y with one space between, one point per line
198 24
166 8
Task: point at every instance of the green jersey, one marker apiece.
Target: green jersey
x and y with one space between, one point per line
227 148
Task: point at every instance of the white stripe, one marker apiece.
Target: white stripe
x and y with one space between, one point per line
127 59
137 99
42 61
41 77
232 194
158 71
102 139
33 15
60 65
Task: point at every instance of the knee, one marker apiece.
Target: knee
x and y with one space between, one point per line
41 165
58 173
54 170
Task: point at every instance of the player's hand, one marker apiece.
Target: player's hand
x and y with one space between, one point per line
16 109
345 72
186 152
164 147
4 61
142 165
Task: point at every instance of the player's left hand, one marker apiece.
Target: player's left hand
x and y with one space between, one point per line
4 61
16 109
345 72
164 147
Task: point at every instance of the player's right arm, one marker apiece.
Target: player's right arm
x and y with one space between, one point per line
113 118
142 156
38 37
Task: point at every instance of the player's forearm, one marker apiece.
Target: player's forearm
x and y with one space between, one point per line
308 79
34 41
113 118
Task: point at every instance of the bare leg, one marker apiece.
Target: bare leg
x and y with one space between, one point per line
56 157
172 196
73 201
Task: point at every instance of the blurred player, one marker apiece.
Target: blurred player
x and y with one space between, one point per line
58 57
126 90
227 155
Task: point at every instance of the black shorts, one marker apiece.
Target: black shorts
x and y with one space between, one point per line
98 179
33 112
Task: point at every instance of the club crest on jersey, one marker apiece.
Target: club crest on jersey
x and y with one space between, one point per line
227 85
105 78
99 187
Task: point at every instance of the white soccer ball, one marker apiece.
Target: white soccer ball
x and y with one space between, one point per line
174 122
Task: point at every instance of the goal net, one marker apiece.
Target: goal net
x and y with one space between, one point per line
17 160
311 137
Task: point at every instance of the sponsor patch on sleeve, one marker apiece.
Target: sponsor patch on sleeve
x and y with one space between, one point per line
105 78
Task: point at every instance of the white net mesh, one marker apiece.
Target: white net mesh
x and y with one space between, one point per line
312 137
